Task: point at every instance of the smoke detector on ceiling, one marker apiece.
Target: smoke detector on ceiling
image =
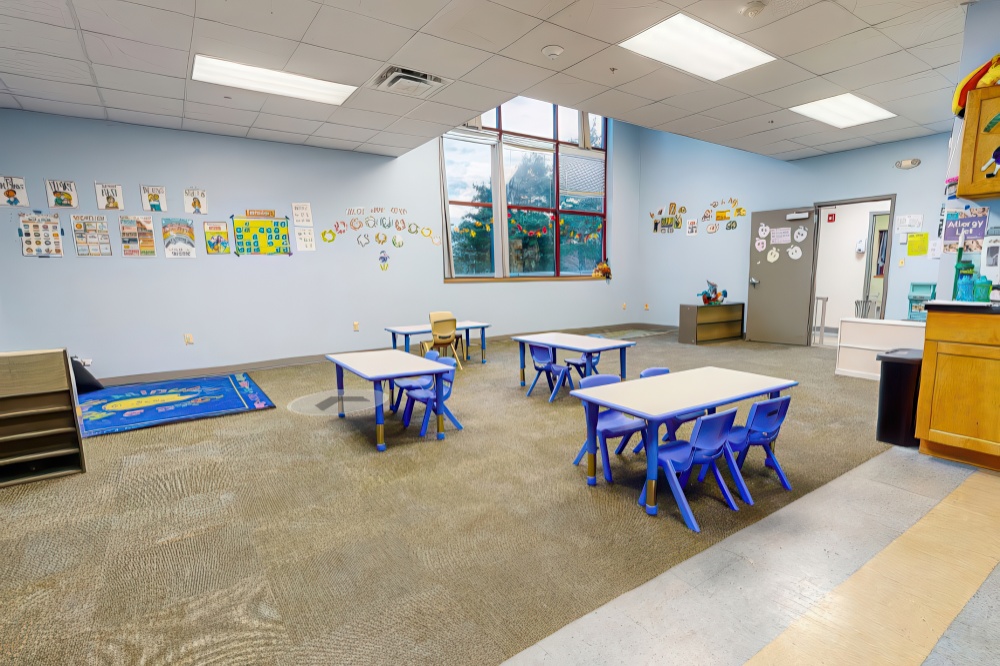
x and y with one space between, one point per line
408 82
751 9
552 52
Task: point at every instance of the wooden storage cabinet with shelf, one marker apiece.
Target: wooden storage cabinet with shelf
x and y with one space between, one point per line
39 426
704 323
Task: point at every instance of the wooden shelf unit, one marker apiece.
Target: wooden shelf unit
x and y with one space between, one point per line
40 434
704 323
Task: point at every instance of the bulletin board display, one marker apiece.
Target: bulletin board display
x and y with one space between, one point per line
261 236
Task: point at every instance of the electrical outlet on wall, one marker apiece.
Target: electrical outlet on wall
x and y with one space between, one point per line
188 339
356 327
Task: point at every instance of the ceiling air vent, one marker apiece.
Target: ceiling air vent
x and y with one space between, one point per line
408 82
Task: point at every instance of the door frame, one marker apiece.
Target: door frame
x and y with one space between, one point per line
891 198
869 262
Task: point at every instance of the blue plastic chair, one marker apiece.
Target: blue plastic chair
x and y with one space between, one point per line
414 383
544 360
610 423
709 442
580 363
763 425
427 397
674 423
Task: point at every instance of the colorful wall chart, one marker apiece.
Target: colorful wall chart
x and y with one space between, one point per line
40 235
195 201
109 197
261 236
154 198
61 194
137 236
14 192
216 238
178 238
90 232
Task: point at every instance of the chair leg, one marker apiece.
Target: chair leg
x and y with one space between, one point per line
399 399
579 456
682 503
743 456
451 417
734 471
427 418
702 474
685 477
454 351
622 444
560 380
777 468
723 487
548 378
532 387
603 441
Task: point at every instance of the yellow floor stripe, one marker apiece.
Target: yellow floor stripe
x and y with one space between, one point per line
894 609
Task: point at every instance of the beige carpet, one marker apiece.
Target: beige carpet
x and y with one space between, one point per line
279 538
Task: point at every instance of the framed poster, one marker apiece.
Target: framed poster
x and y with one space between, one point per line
261 236
14 192
178 238
216 238
90 232
61 194
195 201
137 236
109 197
40 235
154 198
979 173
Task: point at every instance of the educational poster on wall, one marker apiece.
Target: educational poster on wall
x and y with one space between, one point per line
90 233
109 197
972 222
781 235
917 244
305 239
909 223
302 214
154 198
137 236
15 193
195 201
61 194
178 238
261 236
216 238
40 236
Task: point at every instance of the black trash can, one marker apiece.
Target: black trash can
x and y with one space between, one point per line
897 396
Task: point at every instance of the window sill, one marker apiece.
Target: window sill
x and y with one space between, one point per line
566 278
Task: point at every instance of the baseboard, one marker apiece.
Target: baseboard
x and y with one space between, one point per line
856 374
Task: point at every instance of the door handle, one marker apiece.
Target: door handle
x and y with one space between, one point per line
754 282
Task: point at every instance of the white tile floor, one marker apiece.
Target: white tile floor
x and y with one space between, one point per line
726 603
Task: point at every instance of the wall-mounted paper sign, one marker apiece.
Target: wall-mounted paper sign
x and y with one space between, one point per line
216 238
91 235
935 248
178 238
109 197
40 235
916 244
61 194
302 215
692 227
195 201
14 192
154 199
781 235
913 222
259 212
305 239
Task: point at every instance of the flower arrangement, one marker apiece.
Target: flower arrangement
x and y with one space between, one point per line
602 270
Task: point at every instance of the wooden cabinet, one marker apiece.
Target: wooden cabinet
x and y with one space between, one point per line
703 323
957 414
39 422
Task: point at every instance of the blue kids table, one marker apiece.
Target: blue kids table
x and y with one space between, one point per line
425 329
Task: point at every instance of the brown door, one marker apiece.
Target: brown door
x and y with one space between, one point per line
782 261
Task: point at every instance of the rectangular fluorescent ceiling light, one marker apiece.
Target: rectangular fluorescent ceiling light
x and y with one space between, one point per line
235 75
694 47
843 111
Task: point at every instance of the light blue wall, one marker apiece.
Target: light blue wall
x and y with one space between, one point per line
130 314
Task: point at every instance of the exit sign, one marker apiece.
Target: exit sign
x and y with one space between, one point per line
831 217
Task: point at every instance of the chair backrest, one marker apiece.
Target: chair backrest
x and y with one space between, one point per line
541 355
432 355
712 431
766 416
597 380
449 377
597 356
653 372
443 327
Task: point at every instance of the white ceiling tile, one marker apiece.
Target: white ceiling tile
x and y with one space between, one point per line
542 9
564 90
284 124
652 115
471 96
853 49
234 98
107 50
847 144
877 11
925 108
924 25
181 6
576 47
900 134
129 101
612 21
613 67
764 123
787 132
296 108
689 126
725 14
219 114
798 154
272 135
238 45
418 128
886 68
288 19
427 53
740 110
381 102
778 147
480 24
25 35
399 140
940 52
816 24
411 13
53 12
950 73
506 74
139 118
385 151
117 78
133 21
803 92
361 118
662 83
341 30
833 135
61 108
334 144
213 128
344 132
767 77
613 103
7 101
327 65
702 100
52 90
942 126
45 66
443 114
907 86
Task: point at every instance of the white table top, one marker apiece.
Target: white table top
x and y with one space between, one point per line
679 392
417 329
387 364
573 342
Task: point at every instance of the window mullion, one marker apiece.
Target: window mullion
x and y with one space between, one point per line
500 244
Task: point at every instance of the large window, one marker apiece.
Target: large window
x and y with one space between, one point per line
540 168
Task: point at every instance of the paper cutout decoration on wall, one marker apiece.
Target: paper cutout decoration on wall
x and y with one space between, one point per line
363 240
773 255
109 196
355 211
154 198
61 194
261 236
794 252
302 214
692 227
740 211
305 239
760 244
707 215
763 231
712 228
195 201
383 260
722 215
356 224
397 241
14 191
731 225
328 235
340 227
800 234
178 238
90 232
40 235
381 238
137 236
413 228
436 240
216 238
370 221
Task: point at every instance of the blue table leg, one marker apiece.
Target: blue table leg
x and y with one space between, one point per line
406 342
467 334
588 366
340 391
392 395
591 412
379 418
439 404
622 361
521 346
652 464
393 340
482 343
